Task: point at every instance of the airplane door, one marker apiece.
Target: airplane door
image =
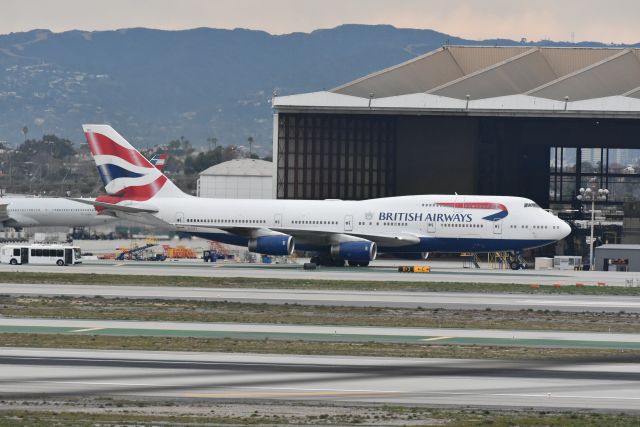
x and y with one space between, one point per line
497 227
431 227
24 255
348 223
180 217
277 220
458 203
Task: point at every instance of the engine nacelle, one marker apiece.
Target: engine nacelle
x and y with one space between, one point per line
360 250
280 244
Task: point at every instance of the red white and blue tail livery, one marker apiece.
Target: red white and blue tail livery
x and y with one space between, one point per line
126 174
159 161
336 231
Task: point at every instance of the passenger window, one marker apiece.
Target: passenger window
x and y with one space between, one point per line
38 252
59 253
16 252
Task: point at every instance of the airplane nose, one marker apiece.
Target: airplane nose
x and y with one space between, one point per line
565 229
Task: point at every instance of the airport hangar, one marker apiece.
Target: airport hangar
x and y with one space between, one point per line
537 122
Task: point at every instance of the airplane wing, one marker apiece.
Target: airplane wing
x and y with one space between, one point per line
130 211
326 238
319 238
114 207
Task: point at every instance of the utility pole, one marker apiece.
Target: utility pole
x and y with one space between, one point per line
250 141
591 194
213 140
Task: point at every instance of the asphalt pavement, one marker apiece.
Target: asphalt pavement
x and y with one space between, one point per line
588 384
409 299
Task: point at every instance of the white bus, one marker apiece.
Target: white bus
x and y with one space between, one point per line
40 254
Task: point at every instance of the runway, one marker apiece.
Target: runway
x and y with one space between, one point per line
581 384
379 271
444 336
449 300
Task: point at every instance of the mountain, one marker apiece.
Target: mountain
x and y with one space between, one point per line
155 86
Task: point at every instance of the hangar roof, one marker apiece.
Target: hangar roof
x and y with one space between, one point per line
240 167
474 79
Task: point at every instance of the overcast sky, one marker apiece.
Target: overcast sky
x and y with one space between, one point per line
605 21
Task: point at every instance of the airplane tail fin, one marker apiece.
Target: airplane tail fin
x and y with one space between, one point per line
126 174
159 161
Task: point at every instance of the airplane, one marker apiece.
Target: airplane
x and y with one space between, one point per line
336 231
21 212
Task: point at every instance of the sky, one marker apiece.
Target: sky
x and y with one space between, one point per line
612 21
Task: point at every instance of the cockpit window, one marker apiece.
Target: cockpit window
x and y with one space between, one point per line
531 205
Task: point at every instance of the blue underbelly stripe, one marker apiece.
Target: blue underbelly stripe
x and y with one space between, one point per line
427 244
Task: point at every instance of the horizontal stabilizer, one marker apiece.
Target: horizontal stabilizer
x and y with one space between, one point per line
114 207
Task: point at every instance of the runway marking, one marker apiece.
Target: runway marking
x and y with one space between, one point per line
90 383
435 338
567 396
250 394
547 395
578 303
321 389
87 330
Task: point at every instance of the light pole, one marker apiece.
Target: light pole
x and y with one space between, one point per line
586 195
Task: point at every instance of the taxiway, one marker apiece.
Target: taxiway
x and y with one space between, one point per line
408 299
493 337
379 271
569 384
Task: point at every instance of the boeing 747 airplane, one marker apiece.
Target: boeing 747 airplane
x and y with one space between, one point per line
20 212
336 231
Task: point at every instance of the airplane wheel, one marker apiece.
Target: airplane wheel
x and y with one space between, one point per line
13 261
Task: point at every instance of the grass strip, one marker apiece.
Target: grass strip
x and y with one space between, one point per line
264 283
325 348
110 412
99 308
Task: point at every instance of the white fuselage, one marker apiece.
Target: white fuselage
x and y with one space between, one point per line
447 223
50 212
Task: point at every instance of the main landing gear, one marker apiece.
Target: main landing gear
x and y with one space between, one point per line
516 262
328 261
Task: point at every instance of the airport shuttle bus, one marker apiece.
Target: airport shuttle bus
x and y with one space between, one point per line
40 254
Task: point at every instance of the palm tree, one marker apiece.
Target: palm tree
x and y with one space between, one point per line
213 140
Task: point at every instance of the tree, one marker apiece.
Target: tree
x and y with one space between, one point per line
213 140
48 148
180 147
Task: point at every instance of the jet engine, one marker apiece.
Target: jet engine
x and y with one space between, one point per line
279 244
358 251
